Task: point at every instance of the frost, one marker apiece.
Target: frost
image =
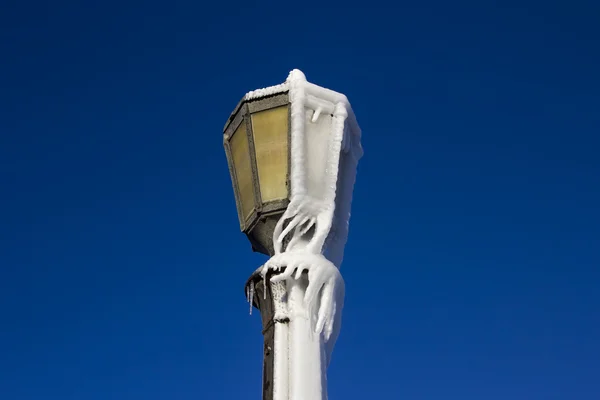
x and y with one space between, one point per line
269 91
278 289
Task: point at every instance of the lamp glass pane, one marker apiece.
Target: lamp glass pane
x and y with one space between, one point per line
241 162
270 130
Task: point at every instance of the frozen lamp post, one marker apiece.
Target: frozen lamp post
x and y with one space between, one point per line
292 151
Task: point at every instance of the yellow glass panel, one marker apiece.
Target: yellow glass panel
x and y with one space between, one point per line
270 130
241 163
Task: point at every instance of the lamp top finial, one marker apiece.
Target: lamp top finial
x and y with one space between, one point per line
296 75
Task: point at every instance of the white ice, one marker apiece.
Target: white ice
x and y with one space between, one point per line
325 148
324 296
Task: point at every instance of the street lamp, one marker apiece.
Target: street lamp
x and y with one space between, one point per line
256 140
292 151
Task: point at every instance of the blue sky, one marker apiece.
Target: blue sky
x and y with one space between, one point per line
472 268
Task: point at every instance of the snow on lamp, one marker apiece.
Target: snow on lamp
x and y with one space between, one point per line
292 151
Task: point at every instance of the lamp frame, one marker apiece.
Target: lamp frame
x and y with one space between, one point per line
242 114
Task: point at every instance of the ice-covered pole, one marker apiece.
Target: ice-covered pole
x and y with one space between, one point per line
299 290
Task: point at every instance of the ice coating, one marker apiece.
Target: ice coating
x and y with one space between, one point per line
338 234
313 197
310 237
325 149
324 296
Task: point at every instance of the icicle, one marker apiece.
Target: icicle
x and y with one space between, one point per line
316 114
251 296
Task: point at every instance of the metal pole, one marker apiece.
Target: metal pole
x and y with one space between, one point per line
294 366
275 333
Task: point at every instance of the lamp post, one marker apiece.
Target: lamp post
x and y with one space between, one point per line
292 151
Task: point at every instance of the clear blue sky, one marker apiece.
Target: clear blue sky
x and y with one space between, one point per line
473 263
